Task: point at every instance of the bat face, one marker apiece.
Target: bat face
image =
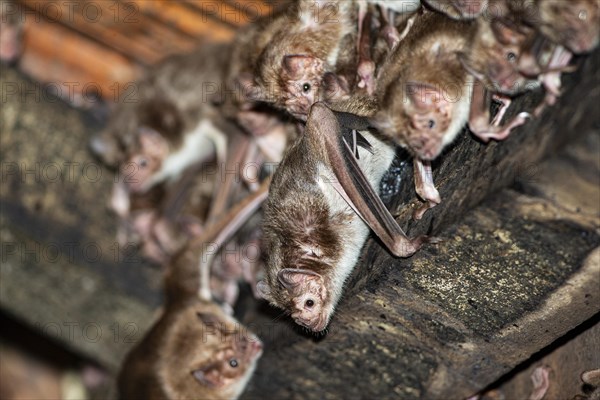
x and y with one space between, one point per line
293 85
429 113
418 117
494 58
302 293
146 161
207 354
305 242
574 24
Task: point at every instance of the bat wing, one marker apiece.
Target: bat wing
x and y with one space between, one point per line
327 130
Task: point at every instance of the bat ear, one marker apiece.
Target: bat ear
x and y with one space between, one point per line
336 87
504 33
209 376
296 65
470 8
249 90
463 58
291 278
152 142
263 290
207 318
107 148
425 97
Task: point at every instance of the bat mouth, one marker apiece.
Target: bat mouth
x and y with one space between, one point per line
315 325
583 45
299 115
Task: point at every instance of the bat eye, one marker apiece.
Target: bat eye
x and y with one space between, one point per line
431 124
309 303
233 363
512 57
306 87
143 163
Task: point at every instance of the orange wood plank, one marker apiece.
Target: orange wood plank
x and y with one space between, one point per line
185 19
220 10
131 44
254 8
52 53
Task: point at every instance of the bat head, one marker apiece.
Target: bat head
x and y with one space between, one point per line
459 9
207 354
301 77
418 117
429 112
306 297
143 163
494 57
574 24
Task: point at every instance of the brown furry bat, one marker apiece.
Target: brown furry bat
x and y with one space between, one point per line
195 350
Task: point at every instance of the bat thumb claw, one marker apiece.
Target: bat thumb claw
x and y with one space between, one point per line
433 239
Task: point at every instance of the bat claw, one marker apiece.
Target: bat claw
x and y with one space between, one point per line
525 115
433 239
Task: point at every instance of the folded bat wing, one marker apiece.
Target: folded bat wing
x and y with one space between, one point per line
331 130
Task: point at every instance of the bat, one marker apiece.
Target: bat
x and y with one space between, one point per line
572 24
321 205
294 52
195 350
171 125
424 94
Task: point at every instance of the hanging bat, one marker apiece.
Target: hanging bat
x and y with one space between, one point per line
294 52
195 350
424 94
171 125
321 204
572 24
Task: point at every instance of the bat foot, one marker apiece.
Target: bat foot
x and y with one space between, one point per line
391 36
501 133
541 383
408 247
433 240
419 212
366 73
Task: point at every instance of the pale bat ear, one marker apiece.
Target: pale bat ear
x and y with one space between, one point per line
152 142
425 97
291 278
209 376
505 33
466 63
208 318
263 290
249 90
296 65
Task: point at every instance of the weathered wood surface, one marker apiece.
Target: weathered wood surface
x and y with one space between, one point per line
440 324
